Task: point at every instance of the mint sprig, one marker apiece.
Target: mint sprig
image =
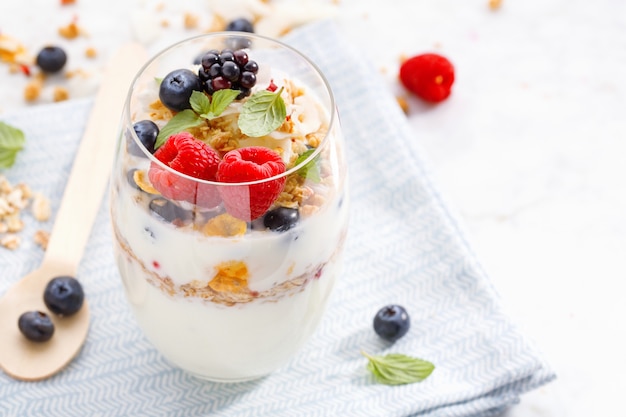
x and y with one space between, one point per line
12 141
311 170
398 369
263 113
183 120
202 109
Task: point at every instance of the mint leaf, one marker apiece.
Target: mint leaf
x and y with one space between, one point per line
398 369
210 109
263 113
11 142
311 170
221 99
186 119
200 103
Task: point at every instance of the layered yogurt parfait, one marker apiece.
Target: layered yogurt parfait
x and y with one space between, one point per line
229 203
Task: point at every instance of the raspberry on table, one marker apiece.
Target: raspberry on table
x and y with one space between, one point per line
249 202
429 76
187 155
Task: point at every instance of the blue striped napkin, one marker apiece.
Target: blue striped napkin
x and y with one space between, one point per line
404 247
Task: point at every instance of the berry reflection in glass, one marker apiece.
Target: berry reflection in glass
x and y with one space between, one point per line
229 224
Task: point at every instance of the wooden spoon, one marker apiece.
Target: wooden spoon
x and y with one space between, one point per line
32 361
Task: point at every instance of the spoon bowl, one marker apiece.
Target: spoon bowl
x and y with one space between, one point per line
32 361
21 358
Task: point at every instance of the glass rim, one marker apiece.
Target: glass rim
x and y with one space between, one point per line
252 36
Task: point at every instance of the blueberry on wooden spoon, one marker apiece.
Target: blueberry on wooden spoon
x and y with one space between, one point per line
64 295
36 326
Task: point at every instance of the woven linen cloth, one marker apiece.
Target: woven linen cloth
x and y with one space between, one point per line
404 247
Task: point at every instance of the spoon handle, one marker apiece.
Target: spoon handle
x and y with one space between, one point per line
93 162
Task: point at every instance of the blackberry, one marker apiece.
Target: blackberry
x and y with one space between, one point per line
228 69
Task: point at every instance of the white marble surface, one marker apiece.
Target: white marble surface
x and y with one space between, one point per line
528 150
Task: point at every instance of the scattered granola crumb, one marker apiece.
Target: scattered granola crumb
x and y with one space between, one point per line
41 207
60 94
495 4
33 90
41 238
191 21
77 73
403 103
165 23
71 31
218 23
91 52
13 200
12 51
14 223
10 241
160 7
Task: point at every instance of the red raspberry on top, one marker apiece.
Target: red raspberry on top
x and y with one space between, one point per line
248 202
429 76
186 155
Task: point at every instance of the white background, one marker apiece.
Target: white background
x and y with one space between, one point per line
528 151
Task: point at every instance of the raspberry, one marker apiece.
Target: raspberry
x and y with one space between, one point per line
248 202
429 76
186 155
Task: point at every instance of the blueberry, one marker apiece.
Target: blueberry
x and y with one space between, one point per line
176 89
130 176
36 326
281 219
64 295
240 25
147 132
51 59
391 322
167 211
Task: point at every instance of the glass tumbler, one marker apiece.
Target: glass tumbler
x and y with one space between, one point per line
229 214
